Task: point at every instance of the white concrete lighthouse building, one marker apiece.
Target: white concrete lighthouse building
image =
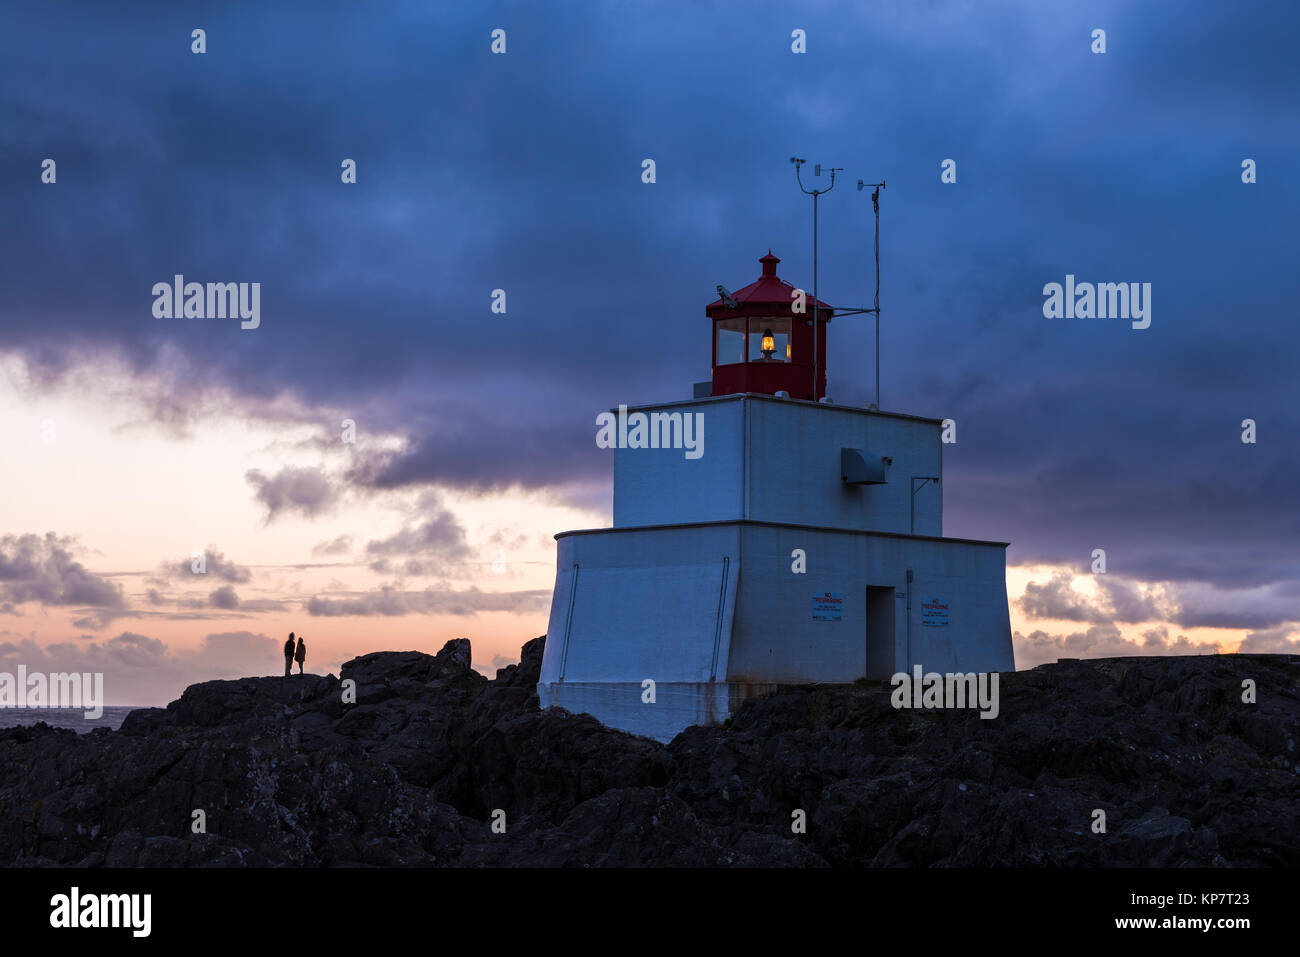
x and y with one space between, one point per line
764 538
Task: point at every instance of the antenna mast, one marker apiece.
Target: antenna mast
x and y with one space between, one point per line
875 205
814 193
875 310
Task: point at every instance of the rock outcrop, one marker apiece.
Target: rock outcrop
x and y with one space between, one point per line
431 760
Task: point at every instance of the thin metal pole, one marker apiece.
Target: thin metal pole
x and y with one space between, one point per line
814 193
877 360
875 201
911 509
909 621
816 196
875 206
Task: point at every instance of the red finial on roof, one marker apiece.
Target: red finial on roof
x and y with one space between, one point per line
769 265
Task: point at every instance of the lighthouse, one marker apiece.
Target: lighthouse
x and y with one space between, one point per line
765 537
763 339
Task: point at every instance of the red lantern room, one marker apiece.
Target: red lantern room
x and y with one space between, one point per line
763 338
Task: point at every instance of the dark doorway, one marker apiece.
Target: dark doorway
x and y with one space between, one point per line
880 632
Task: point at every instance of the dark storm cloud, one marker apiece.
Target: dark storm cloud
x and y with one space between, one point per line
97 618
1101 641
487 457
440 535
224 597
1272 641
1187 604
140 670
498 662
1119 601
412 567
306 490
522 172
392 601
215 563
41 569
337 546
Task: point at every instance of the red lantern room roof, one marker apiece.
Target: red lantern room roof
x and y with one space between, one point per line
769 289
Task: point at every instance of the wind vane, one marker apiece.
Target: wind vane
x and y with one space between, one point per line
875 310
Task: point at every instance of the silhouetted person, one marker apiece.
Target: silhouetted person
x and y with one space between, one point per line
288 656
301 656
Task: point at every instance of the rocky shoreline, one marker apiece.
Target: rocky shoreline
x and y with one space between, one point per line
431 754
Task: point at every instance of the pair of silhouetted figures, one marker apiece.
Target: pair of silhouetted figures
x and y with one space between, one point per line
292 654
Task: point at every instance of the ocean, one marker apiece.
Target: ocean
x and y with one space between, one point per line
74 718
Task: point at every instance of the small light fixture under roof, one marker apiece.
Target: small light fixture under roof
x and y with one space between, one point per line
769 344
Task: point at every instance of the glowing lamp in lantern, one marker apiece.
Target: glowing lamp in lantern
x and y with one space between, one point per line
761 344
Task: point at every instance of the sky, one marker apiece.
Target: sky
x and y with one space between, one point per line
382 462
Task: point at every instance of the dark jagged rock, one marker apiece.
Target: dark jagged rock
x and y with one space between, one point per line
410 759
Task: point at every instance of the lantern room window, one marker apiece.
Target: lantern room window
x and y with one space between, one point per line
769 340
731 341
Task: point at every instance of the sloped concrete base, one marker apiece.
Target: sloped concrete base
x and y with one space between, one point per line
676 705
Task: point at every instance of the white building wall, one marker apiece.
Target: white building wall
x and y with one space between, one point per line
662 486
778 460
714 613
776 638
649 604
678 705
793 472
